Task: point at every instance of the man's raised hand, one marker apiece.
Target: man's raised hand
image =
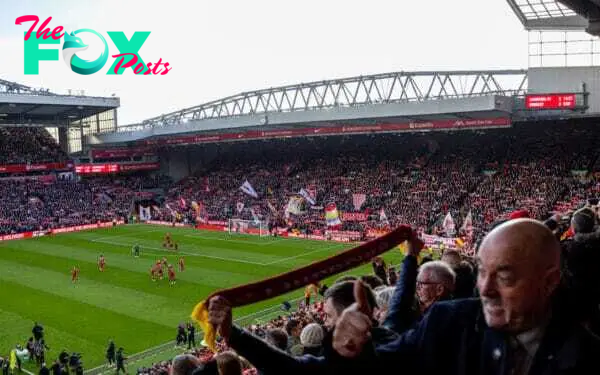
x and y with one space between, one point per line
353 328
219 315
415 244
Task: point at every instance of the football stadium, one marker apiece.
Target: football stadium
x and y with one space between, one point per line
434 221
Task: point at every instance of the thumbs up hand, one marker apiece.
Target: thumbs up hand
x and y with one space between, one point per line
415 245
219 315
353 328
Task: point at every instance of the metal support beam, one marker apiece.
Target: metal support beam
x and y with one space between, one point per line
398 87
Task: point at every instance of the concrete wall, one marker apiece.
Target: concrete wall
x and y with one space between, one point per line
181 162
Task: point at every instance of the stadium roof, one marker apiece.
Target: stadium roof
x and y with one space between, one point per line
351 92
564 15
21 105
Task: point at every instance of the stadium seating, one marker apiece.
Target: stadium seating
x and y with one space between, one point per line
28 145
37 205
415 178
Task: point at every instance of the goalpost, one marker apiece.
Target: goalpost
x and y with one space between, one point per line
260 228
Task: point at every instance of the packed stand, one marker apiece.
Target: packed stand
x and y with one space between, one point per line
29 145
414 178
37 205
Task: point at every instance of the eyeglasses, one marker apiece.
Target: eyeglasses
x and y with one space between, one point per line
421 283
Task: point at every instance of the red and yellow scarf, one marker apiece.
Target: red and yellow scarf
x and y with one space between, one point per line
298 278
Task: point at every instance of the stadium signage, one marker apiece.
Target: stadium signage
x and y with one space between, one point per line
20 236
19 168
334 130
114 168
129 56
355 216
78 228
550 101
121 153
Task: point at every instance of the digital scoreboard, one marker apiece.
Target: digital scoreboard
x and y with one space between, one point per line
114 168
550 101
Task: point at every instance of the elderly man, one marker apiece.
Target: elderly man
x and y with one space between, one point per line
435 282
517 327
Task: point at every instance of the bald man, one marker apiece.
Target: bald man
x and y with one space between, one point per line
517 327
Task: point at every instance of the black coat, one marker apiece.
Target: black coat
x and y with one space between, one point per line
271 361
453 339
581 267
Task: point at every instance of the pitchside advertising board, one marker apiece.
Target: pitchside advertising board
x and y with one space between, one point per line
550 101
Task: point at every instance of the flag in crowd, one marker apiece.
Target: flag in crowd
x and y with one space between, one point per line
306 195
358 199
332 216
248 189
467 226
383 217
448 225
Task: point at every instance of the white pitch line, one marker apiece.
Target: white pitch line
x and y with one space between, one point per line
186 253
272 242
125 235
303 254
228 240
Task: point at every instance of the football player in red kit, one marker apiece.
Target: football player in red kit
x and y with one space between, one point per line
181 264
75 274
171 275
101 263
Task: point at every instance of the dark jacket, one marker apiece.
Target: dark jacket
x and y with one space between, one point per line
403 310
453 339
581 267
270 360
401 314
110 351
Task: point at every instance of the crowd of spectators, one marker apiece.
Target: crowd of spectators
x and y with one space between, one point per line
28 145
414 178
30 205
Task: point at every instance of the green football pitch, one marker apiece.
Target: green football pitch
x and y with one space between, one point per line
123 303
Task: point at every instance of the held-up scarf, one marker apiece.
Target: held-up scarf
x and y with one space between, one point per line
289 281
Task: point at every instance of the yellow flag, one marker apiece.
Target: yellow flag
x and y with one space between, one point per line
200 316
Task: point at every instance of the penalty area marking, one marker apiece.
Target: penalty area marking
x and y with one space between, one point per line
250 240
303 254
185 253
130 234
223 258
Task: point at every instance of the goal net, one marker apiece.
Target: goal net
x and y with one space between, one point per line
260 228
